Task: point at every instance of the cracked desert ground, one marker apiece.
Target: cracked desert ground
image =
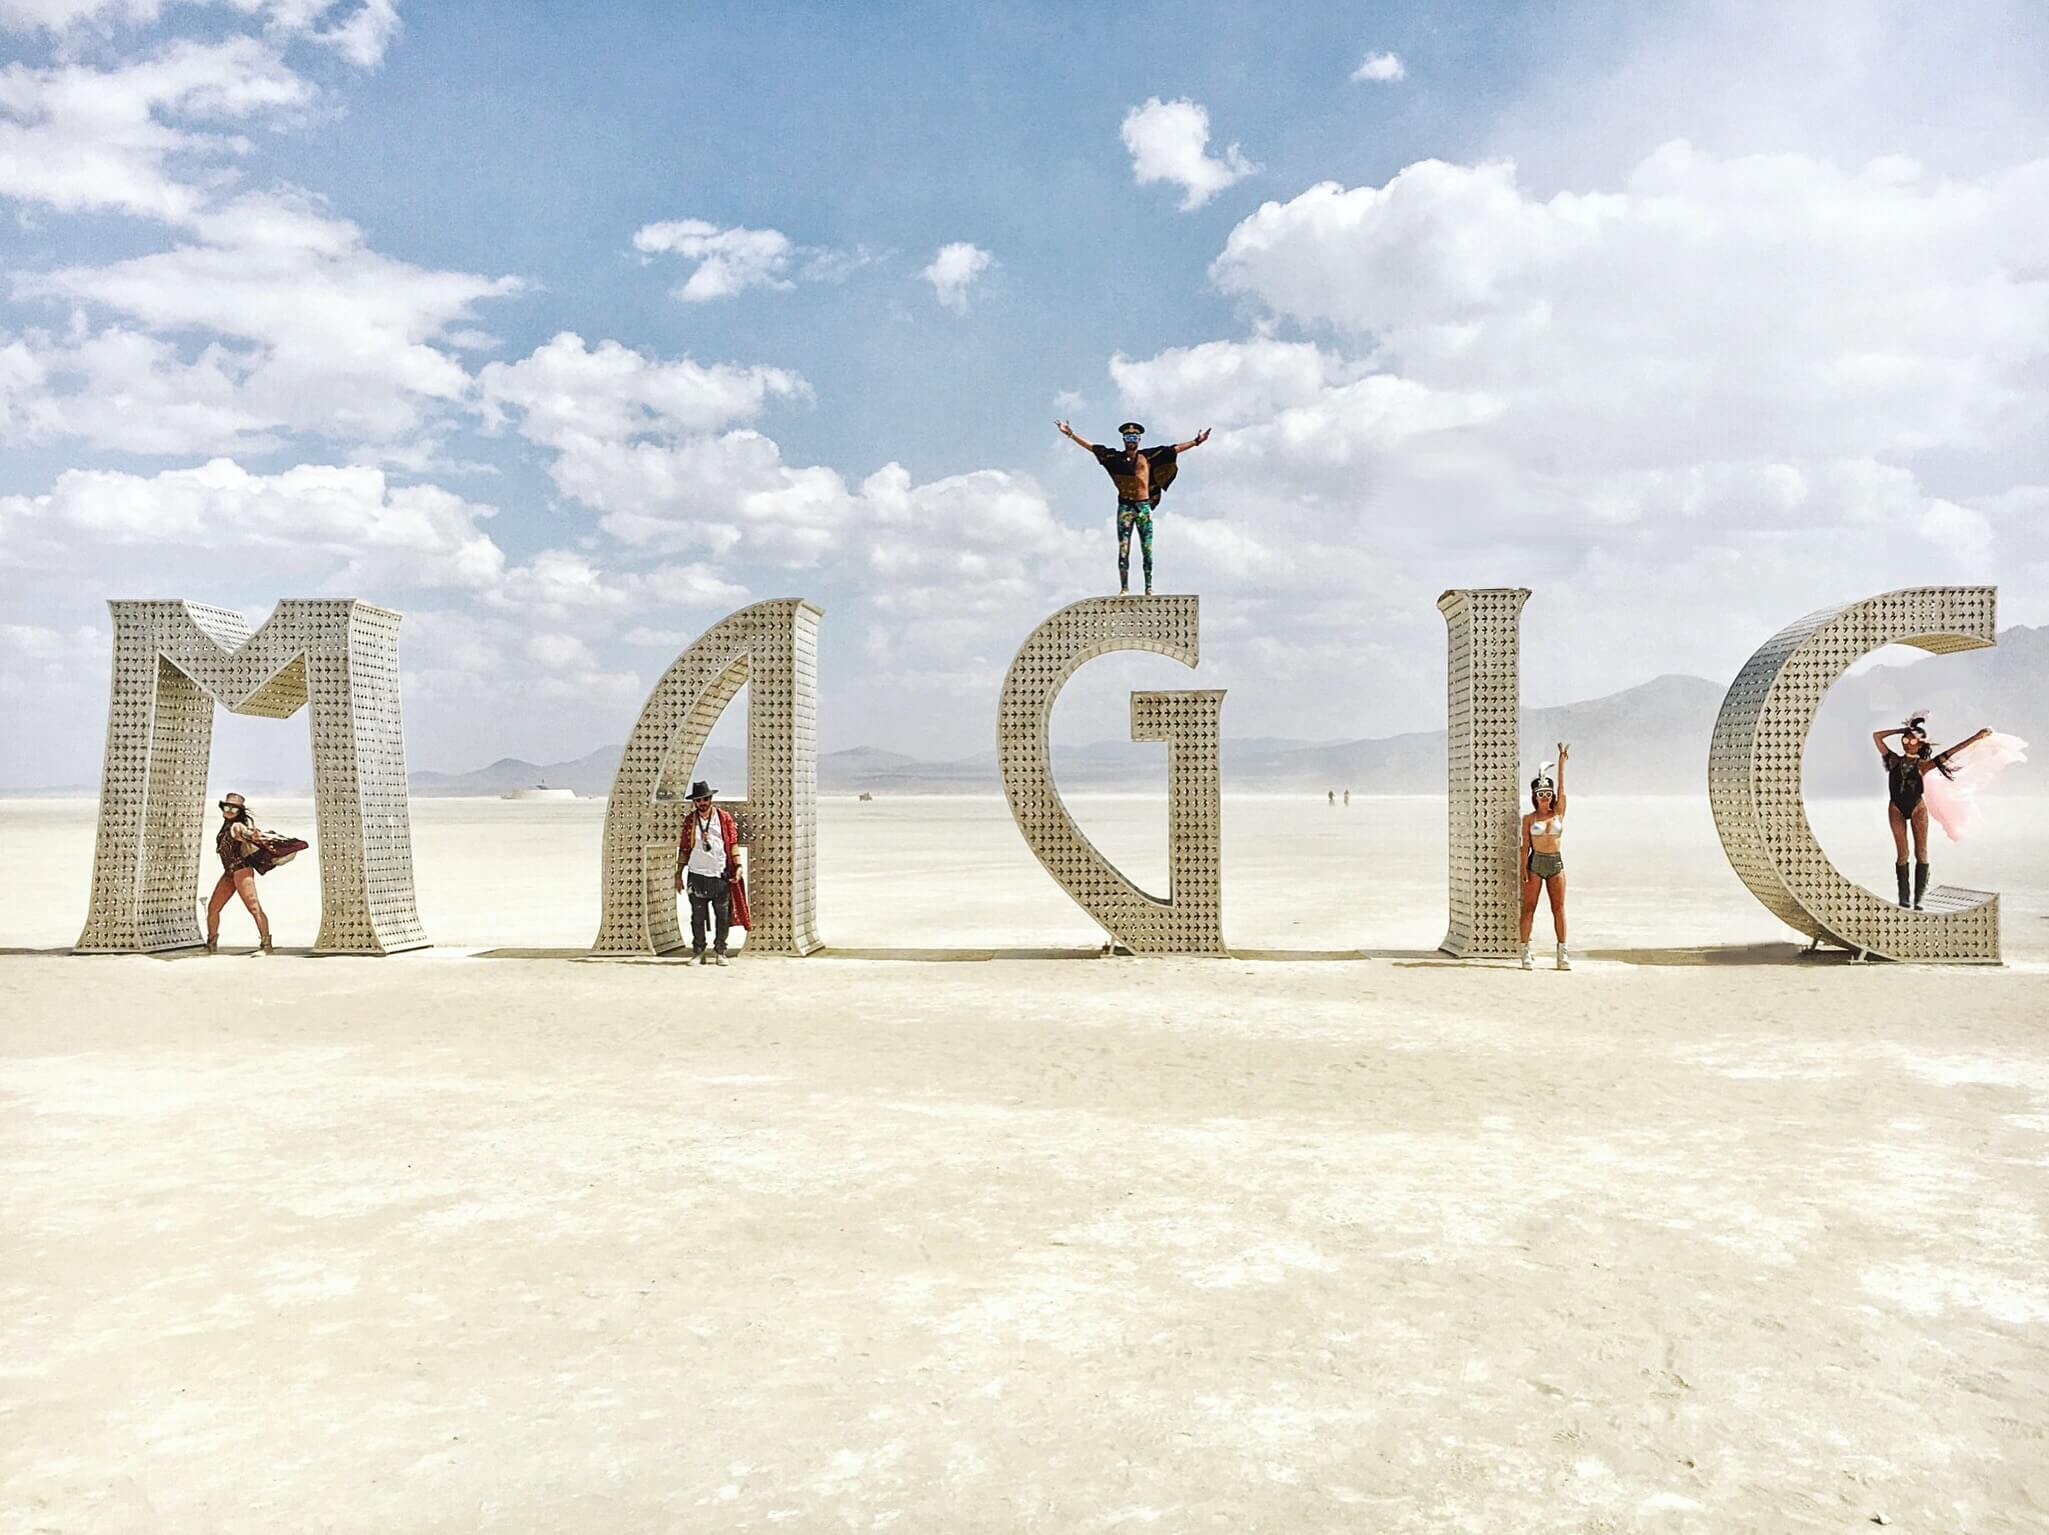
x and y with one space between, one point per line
1702 1236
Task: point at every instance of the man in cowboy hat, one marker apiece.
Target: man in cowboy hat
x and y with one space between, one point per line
1142 476
706 857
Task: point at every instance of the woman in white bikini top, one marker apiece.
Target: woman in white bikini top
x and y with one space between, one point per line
1543 864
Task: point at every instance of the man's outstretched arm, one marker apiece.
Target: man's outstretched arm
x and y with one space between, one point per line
1196 441
1074 437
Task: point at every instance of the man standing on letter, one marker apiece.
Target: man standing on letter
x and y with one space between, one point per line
1142 476
705 860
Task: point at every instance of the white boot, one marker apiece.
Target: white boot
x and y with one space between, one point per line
1563 962
1527 965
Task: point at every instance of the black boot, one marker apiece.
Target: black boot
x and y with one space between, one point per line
1899 873
1920 883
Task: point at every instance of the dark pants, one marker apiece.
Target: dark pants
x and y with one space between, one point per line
709 898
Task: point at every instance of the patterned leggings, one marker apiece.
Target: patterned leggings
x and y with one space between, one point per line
1132 514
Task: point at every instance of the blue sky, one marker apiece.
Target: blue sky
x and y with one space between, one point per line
1692 323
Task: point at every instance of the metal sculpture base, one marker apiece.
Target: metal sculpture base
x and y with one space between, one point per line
1482 742
1754 784
1190 919
772 649
173 661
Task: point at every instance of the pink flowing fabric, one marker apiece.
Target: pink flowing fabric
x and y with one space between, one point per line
1953 801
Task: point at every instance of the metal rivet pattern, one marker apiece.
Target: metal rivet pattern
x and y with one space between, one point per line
172 662
1754 783
771 648
1483 706
1190 920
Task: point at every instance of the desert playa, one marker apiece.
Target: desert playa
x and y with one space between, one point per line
959 1227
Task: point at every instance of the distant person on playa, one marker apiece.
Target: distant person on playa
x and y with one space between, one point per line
1912 793
245 851
1142 476
708 865
1332 796
1543 863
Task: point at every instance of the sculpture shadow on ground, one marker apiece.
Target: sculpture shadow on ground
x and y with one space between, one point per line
1722 954
1423 959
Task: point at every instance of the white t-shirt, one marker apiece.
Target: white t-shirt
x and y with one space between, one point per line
707 845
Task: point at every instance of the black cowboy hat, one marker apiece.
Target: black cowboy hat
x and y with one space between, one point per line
1131 429
702 790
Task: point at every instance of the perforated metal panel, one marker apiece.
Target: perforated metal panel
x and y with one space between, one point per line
1190 919
1754 777
771 648
1482 734
172 662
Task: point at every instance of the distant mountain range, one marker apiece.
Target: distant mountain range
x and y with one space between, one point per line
1649 739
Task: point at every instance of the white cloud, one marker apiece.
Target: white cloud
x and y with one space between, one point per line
478 684
32 642
555 583
821 264
1383 67
361 37
365 34
43 668
690 586
57 17
646 444
1694 395
729 261
1959 87
721 494
949 572
1226 382
1169 141
348 525
566 392
559 652
658 639
341 340
1676 315
953 271
128 392
562 585
956 571
80 139
733 260
270 316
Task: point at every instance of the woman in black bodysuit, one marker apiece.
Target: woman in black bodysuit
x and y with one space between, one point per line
1904 770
